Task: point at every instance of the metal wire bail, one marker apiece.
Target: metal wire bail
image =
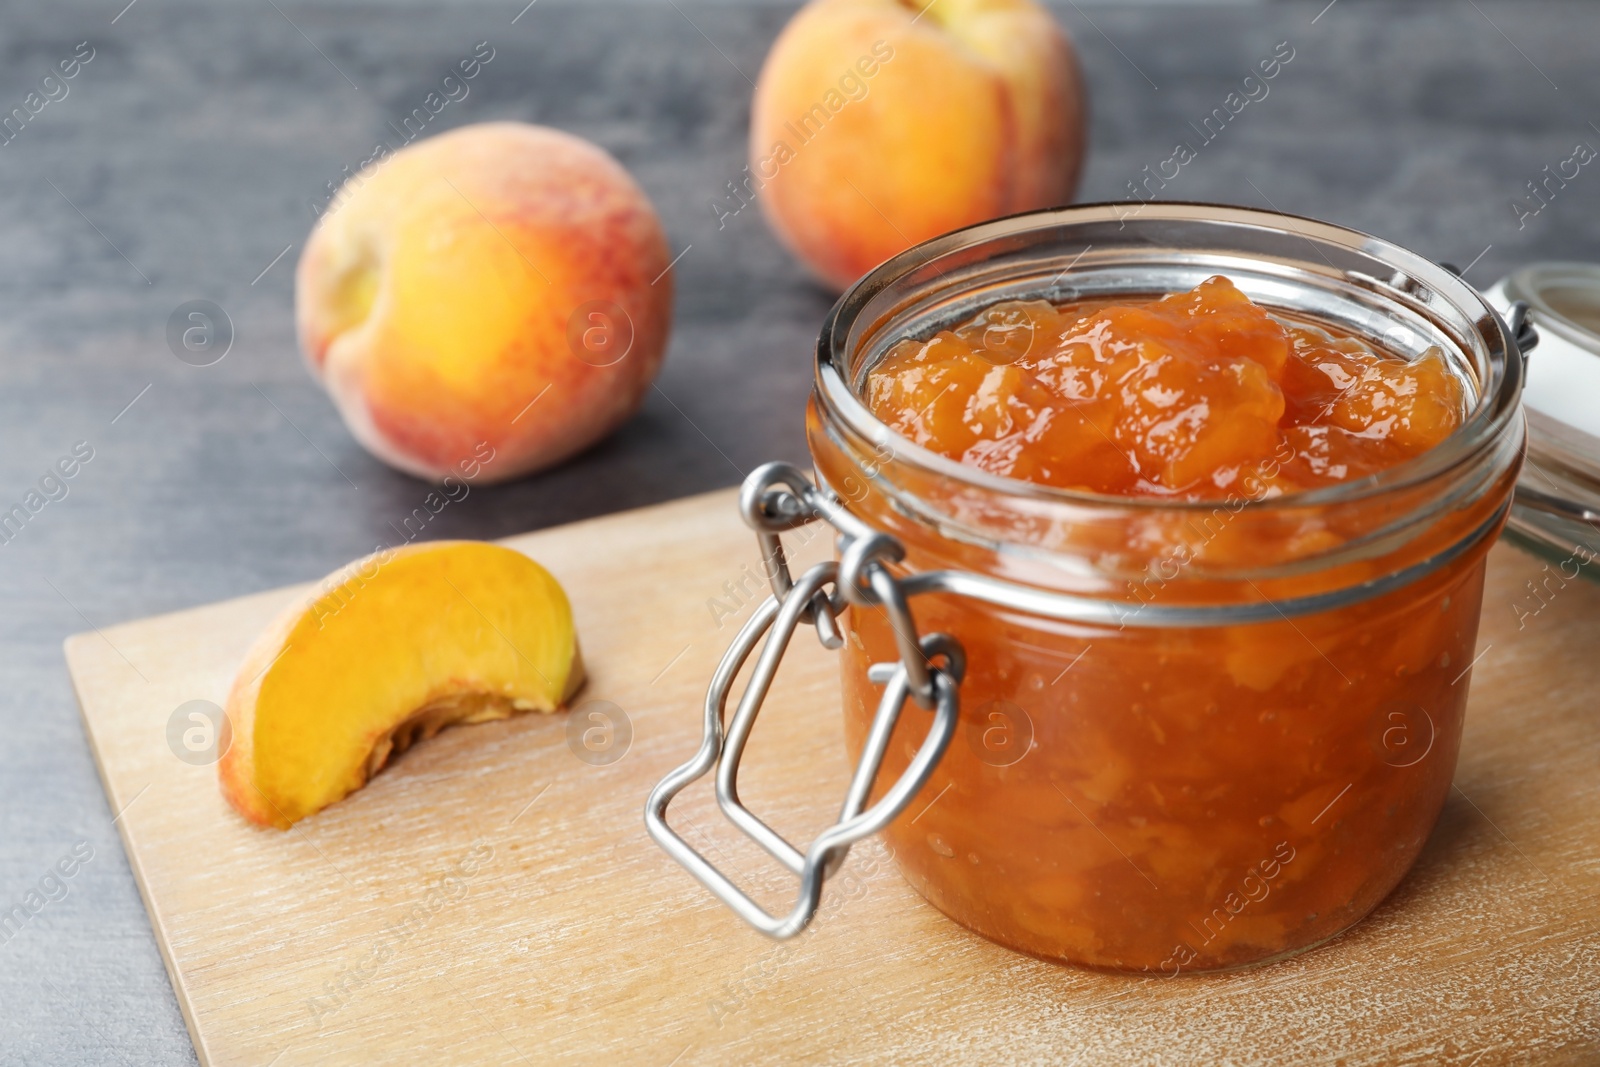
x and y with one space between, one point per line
930 671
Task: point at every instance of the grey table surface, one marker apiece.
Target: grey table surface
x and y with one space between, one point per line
180 164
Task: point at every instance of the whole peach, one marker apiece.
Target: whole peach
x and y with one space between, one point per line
878 124
486 302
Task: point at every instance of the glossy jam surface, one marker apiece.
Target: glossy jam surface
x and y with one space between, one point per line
1180 397
1162 799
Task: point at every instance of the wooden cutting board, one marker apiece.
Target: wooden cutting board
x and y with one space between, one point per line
492 898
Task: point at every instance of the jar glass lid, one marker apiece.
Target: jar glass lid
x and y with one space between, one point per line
1558 496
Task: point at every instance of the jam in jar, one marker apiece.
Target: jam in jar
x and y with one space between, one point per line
1277 453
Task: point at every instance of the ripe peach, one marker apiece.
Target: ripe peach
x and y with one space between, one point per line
500 289
878 124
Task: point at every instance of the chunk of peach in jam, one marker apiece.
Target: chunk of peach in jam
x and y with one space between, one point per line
1179 397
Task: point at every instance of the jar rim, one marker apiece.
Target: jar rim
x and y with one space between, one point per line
1413 281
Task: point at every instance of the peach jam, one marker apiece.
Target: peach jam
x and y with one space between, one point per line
1178 397
1250 517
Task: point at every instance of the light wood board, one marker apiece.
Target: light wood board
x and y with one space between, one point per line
565 936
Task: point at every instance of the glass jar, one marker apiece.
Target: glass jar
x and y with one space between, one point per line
1167 793
1165 736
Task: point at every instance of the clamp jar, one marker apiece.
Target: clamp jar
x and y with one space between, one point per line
1191 735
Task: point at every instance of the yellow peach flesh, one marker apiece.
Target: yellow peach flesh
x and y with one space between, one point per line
391 649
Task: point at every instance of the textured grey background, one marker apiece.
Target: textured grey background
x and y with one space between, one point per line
195 137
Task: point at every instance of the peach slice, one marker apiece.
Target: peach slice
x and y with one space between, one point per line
388 651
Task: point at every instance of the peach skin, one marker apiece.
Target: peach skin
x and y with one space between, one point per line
878 124
498 287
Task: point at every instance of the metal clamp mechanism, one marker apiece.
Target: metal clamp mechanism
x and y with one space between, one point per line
778 497
1519 319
